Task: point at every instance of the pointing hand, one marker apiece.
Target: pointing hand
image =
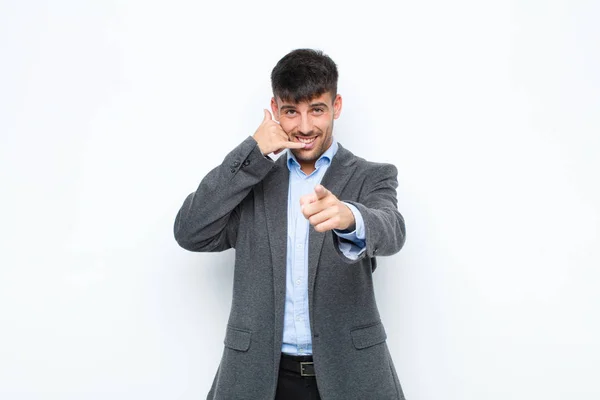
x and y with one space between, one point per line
325 211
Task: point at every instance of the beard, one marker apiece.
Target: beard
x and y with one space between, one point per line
313 154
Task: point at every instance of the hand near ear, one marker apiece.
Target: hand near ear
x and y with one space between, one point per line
271 138
325 211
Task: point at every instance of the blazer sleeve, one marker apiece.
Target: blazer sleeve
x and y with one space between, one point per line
209 218
385 231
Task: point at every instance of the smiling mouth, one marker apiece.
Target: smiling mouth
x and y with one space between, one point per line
306 140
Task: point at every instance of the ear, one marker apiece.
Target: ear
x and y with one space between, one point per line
337 106
275 108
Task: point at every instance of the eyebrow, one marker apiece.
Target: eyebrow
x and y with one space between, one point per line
312 105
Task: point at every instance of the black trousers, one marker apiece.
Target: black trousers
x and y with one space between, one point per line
291 385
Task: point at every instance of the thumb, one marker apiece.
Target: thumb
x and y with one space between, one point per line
268 116
321 192
307 199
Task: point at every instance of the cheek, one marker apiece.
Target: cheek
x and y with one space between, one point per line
287 126
325 124
325 127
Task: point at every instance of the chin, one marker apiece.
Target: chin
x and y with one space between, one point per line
304 156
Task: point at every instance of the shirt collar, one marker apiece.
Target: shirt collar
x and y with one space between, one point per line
325 158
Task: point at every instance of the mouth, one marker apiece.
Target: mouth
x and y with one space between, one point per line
308 141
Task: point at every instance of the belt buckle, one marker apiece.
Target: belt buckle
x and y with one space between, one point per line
303 366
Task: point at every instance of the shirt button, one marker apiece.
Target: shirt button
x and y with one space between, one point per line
299 245
298 318
298 282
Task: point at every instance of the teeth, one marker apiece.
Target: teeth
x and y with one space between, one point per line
303 140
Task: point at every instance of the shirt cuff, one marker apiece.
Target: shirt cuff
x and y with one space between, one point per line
353 243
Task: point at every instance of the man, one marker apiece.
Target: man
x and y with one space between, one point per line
306 228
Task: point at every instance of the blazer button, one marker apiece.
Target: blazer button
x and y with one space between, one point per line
233 170
236 163
246 163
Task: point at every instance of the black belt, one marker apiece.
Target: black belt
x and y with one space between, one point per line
302 365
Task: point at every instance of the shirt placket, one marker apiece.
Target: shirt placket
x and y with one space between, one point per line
300 271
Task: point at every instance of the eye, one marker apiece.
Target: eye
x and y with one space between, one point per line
318 110
290 112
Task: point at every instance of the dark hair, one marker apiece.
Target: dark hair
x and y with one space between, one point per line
304 74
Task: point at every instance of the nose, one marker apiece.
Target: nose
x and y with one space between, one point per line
305 125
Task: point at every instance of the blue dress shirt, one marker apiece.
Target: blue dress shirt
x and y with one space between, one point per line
296 324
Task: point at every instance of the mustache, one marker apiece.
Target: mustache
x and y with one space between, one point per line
304 134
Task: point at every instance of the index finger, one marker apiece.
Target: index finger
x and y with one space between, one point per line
321 191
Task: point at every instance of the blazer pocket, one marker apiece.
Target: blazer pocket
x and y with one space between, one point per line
237 339
369 335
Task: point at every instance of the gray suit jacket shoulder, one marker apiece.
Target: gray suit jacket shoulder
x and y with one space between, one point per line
242 204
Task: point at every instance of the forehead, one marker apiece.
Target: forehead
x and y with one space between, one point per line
323 98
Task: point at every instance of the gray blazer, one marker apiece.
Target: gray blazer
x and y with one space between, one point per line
242 204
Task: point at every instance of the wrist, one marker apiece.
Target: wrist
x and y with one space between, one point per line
260 147
350 224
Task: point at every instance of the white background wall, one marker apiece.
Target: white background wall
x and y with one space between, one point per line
111 112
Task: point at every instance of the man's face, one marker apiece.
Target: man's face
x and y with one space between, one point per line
308 122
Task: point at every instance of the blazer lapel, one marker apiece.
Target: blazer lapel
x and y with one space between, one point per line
275 191
335 179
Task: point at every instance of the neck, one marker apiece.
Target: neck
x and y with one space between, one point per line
307 167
